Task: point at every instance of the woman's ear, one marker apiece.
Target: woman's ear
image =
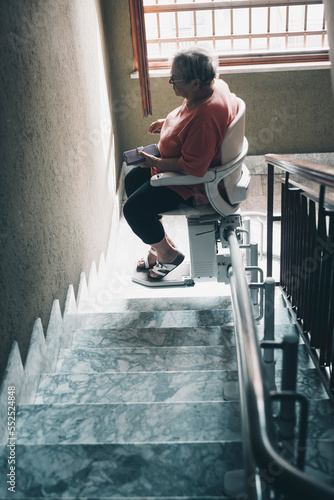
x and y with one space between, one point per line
196 84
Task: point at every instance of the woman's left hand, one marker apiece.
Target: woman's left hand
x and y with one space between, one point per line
150 160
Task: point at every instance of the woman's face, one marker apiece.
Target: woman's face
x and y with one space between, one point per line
181 88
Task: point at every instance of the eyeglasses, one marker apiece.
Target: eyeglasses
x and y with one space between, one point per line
171 79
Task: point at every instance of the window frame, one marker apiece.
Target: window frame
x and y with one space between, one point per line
252 58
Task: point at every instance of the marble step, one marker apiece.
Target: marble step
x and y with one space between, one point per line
153 387
146 359
163 337
155 319
281 329
186 470
320 422
180 303
148 423
155 359
154 337
319 461
281 317
128 423
166 319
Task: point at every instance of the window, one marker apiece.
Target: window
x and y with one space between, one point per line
242 32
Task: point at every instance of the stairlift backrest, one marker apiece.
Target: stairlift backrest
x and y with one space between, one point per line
234 137
234 173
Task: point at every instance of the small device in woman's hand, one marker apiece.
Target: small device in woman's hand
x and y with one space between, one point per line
132 157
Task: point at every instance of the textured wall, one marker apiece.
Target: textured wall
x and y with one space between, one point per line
287 112
329 13
56 153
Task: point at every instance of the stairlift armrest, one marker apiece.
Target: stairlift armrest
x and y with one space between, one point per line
178 179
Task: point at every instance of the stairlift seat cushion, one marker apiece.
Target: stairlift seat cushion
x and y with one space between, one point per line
178 179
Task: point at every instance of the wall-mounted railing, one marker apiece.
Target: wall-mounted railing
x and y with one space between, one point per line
265 468
307 254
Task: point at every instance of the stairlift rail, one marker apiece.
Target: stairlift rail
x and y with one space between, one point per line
265 468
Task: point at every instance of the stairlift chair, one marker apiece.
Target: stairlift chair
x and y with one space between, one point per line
206 224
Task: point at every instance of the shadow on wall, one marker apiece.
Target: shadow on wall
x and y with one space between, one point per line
57 149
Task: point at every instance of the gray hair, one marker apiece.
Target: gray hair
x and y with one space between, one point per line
196 63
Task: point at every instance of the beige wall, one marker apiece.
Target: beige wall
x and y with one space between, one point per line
329 13
57 160
287 112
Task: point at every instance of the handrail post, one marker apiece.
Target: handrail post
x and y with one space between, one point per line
269 329
270 219
254 263
287 416
246 223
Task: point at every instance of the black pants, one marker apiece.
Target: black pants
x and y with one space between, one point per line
145 204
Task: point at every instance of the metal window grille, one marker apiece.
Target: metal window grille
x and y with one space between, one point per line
240 31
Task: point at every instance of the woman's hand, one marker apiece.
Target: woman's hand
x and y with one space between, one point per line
163 164
155 127
150 160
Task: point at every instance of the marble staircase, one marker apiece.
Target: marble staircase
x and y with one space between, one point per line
138 406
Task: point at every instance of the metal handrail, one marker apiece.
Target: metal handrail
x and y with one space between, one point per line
322 174
262 461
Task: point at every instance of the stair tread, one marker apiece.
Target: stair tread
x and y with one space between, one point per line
281 329
153 386
167 318
122 470
128 423
169 303
164 337
138 470
155 319
282 316
133 387
148 422
320 423
138 359
320 459
158 337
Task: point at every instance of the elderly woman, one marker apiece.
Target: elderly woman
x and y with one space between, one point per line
190 140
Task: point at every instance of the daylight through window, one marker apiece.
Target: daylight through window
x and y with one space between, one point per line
241 32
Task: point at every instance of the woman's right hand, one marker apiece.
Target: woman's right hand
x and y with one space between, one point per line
155 127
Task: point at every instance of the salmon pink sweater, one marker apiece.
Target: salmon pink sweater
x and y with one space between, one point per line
195 136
